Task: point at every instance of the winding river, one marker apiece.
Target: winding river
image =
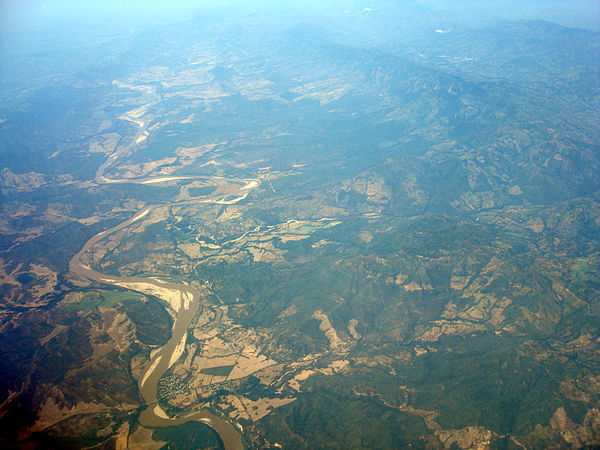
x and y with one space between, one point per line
184 301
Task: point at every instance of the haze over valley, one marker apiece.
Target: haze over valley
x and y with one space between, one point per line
310 225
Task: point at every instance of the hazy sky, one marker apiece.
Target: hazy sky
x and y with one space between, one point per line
36 14
29 25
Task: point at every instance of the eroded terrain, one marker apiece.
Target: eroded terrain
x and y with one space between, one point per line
378 252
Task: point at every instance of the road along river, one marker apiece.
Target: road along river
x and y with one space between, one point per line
184 300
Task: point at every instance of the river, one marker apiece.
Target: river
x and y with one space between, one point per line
184 300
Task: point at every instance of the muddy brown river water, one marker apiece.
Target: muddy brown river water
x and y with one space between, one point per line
185 301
